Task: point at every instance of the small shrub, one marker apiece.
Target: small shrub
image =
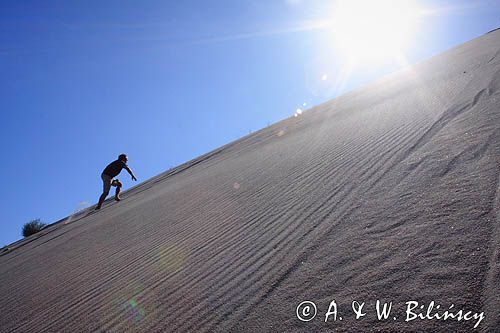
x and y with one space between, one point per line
32 227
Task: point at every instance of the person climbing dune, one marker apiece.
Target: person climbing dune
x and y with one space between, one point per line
111 171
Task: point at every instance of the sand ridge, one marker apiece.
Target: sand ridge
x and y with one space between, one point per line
388 193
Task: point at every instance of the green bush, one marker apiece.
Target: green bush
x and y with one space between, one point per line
32 227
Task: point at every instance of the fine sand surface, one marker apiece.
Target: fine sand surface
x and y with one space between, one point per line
390 192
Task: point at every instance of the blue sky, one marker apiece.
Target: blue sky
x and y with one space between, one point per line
165 81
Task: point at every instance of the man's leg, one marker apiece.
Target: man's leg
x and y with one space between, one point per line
118 186
101 199
106 186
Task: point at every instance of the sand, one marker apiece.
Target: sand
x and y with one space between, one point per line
390 192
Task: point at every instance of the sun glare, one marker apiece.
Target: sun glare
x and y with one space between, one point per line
374 30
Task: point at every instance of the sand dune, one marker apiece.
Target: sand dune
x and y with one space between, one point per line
390 192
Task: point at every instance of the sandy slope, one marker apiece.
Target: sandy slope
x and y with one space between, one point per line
390 192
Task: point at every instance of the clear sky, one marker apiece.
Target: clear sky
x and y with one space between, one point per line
166 81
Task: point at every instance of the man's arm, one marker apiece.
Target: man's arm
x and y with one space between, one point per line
130 172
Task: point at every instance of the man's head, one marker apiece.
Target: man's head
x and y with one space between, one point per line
123 157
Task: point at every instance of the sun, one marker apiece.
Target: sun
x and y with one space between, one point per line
374 30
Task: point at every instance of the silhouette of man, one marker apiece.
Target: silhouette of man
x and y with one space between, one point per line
111 171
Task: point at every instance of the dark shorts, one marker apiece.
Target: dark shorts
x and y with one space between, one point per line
107 182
